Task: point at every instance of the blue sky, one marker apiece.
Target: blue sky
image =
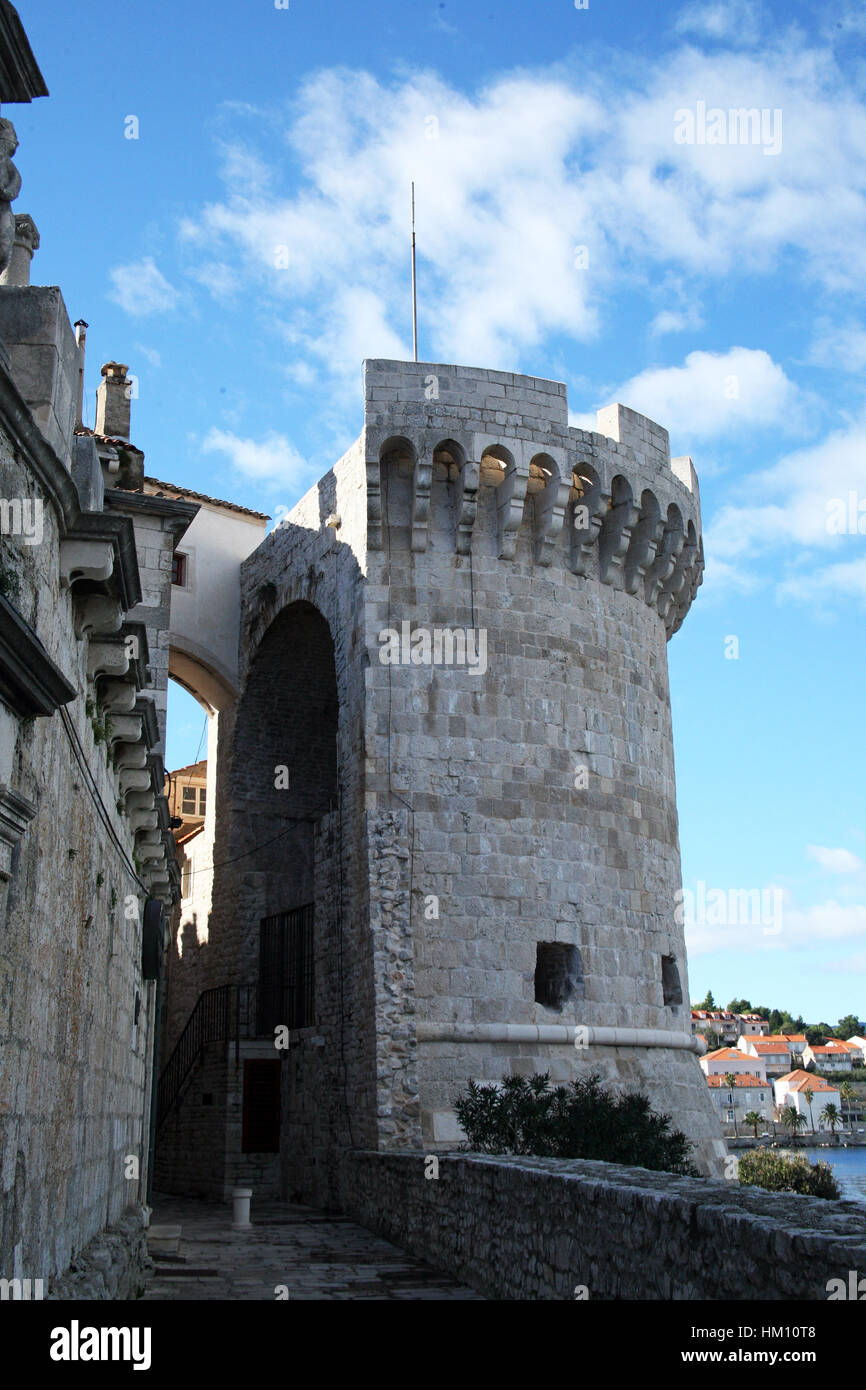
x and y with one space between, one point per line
248 249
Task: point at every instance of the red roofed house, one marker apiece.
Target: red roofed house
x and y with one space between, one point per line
733 1103
790 1090
774 1052
730 1059
835 1054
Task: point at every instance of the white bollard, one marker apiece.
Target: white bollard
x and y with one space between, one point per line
241 1198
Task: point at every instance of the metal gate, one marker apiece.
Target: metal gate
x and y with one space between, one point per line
286 976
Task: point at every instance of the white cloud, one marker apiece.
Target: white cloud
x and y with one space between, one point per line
836 861
512 179
714 393
733 20
840 345
149 354
675 321
272 460
794 503
141 288
802 929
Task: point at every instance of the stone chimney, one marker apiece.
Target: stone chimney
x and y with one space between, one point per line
26 242
112 401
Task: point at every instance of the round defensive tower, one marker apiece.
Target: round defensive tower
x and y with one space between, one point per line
447 843
523 579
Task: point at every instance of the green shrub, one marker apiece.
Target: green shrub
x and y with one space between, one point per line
764 1168
581 1120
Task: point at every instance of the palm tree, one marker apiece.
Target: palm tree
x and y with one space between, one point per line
752 1118
793 1120
731 1082
847 1094
831 1114
808 1096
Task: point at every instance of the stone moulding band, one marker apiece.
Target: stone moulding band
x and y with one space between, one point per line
556 1033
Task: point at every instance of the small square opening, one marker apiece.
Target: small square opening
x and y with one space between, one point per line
558 974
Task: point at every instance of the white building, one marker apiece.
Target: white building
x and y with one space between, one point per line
733 1103
774 1052
729 1059
833 1055
791 1089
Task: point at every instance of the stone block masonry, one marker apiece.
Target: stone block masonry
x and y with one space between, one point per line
553 1229
466 832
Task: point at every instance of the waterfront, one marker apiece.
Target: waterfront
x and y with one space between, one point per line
848 1164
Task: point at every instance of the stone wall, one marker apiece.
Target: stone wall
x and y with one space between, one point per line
486 821
538 790
82 823
529 1228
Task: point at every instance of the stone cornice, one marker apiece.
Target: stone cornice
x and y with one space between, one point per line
20 78
119 533
30 682
178 513
556 1033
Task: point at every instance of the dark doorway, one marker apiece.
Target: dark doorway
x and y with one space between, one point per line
261 1125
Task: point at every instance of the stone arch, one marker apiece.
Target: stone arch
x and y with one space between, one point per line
548 489
284 774
200 674
398 464
616 530
447 486
495 462
644 541
587 505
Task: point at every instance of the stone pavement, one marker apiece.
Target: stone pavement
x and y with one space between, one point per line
314 1254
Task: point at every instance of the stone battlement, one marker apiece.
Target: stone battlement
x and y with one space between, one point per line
610 505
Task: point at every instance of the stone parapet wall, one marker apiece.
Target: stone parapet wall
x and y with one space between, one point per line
532 1228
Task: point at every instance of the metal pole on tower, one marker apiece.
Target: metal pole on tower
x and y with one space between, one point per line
414 283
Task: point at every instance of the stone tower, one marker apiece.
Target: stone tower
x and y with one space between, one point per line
452 749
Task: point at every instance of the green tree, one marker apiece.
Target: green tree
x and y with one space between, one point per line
847 1094
764 1168
713 1040
817 1032
708 1003
830 1115
809 1096
847 1027
740 1006
793 1120
752 1118
585 1119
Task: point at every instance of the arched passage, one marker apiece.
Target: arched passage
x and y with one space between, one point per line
284 775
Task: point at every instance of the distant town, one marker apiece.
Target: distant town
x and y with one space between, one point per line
774 1077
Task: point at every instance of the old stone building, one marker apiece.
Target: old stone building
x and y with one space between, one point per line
445 835
87 856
